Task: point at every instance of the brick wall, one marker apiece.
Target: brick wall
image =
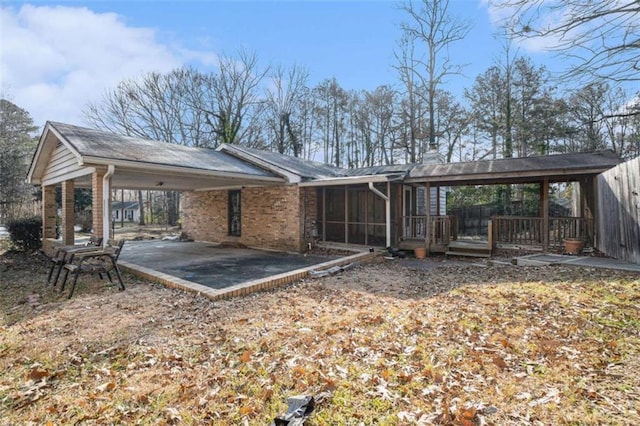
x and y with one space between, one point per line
271 216
97 202
309 209
49 216
68 231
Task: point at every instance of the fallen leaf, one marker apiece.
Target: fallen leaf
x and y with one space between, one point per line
246 356
37 373
246 410
109 386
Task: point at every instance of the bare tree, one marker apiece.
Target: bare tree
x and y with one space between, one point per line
231 99
586 110
452 121
410 106
381 103
155 106
601 39
284 98
619 121
487 97
431 24
330 111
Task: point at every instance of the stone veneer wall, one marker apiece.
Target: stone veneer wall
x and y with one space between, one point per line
273 217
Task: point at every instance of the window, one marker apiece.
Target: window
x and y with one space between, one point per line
234 213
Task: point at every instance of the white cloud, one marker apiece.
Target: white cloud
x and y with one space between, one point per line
501 13
54 60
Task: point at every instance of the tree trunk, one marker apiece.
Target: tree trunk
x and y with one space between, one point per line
141 220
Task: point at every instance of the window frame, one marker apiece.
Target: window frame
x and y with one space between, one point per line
234 215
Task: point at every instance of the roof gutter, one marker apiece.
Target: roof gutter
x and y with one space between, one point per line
149 167
387 208
352 180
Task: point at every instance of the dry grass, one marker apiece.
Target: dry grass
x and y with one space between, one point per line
388 345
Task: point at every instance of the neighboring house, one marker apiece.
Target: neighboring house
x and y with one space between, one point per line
268 200
127 211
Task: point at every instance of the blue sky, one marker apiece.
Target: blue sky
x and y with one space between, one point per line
57 56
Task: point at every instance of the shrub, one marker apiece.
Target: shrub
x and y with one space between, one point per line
85 220
25 233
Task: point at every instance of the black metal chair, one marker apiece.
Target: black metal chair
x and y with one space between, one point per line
94 262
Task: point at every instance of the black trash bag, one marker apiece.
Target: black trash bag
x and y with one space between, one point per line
300 408
395 252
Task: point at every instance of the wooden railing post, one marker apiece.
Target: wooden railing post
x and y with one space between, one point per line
544 210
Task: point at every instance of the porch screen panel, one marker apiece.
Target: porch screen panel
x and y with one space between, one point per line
357 215
376 218
335 205
334 214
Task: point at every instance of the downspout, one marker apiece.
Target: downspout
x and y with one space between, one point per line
106 205
387 205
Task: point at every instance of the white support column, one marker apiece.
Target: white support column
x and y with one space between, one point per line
387 205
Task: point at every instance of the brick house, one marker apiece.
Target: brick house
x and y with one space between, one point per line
273 201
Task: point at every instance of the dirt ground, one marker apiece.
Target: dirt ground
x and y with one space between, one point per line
381 344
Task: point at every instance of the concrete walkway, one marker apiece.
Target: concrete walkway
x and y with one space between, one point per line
587 261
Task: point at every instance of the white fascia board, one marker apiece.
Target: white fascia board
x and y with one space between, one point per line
48 128
351 180
70 176
177 169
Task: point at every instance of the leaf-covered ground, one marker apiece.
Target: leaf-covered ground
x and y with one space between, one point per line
380 344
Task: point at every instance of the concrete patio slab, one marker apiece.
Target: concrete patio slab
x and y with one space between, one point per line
219 272
543 259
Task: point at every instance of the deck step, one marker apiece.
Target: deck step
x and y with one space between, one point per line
411 244
468 253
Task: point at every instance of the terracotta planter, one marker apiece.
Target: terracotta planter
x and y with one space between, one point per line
573 245
420 252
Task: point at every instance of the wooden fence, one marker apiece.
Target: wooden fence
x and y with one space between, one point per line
618 219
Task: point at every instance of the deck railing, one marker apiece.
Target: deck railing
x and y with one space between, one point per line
570 227
529 230
443 228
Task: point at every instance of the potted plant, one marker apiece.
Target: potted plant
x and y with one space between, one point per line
573 245
420 252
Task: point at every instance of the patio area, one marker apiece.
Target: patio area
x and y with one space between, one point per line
218 271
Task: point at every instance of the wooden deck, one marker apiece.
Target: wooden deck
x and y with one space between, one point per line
470 248
414 243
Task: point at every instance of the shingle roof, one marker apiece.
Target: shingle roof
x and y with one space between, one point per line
126 205
306 169
101 144
381 170
248 161
550 165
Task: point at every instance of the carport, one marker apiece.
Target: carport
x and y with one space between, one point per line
72 156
